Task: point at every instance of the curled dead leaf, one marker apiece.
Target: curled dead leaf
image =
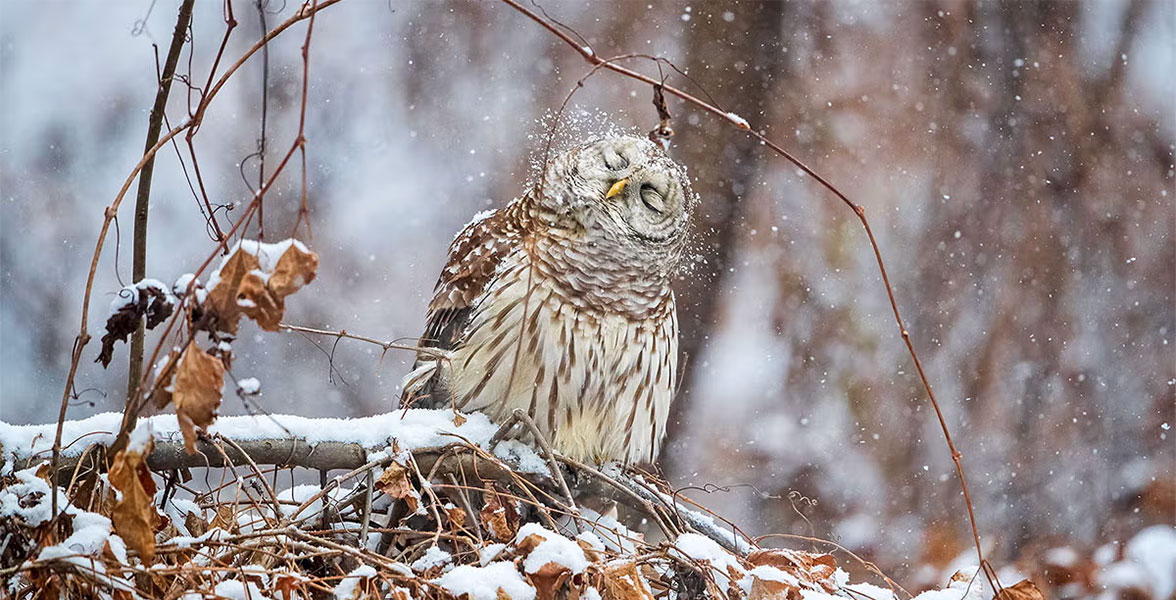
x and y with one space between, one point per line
395 483
1022 590
251 283
290 585
590 551
225 518
549 580
296 268
196 391
43 472
498 517
528 544
771 589
134 515
552 579
806 567
456 516
621 581
148 302
235 281
161 392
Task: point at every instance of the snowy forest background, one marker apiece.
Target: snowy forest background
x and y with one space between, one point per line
1016 161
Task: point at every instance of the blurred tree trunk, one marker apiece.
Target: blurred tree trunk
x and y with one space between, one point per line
737 51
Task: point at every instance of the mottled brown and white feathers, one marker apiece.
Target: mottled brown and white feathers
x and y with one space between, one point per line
560 304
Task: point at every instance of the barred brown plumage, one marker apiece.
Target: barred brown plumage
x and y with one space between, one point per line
560 304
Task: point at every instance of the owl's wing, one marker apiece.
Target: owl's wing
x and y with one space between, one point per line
474 256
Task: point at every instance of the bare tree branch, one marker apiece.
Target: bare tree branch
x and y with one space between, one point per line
143 195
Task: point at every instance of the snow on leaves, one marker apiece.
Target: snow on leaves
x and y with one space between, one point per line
536 563
782 573
148 300
623 581
255 280
550 560
76 538
359 583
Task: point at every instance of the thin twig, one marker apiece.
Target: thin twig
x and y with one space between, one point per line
143 195
552 465
253 465
366 518
352 336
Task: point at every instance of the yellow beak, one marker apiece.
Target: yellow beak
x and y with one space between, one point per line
616 188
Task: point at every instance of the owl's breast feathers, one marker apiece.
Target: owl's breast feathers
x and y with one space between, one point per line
525 318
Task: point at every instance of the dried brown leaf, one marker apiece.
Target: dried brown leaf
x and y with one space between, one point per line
196 391
134 515
590 551
144 302
290 586
621 581
244 289
161 393
549 580
223 298
395 483
498 517
195 524
807 567
294 269
770 589
456 516
225 518
528 544
1022 590
255 301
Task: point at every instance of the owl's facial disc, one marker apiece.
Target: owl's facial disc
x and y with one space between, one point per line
628 185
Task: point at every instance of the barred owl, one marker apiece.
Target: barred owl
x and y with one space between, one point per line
560 304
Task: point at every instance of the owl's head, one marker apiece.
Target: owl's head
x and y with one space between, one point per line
623 188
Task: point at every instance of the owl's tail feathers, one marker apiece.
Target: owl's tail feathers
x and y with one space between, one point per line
421 384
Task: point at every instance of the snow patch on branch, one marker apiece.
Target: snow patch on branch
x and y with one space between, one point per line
411 429
131 294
